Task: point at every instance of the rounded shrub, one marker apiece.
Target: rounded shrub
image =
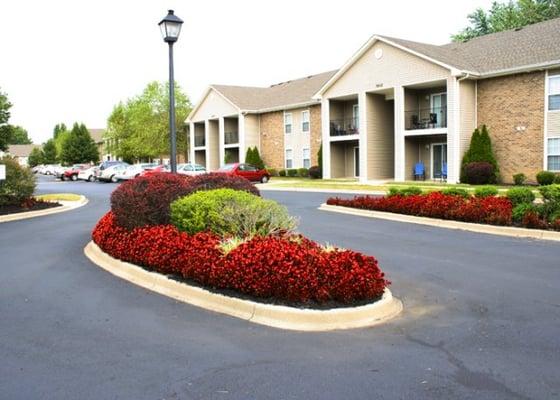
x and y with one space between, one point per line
551 193
410 191
486 191
519 179
303 172
557 179
480 173
215 180
545 178
282 172
228 212
454 191
19 184
292 172
520 210
520 195
272 171
315 172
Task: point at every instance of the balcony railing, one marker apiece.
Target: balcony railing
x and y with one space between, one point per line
428 118
344 127
199 141
231 137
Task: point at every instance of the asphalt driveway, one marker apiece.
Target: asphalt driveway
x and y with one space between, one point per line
481 320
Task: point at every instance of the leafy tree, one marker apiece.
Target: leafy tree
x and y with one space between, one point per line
480 149
5 130
508 15
19 136
49 152
139 128
79 147
36 157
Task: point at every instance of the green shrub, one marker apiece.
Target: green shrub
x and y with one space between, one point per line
272 171
519 179
315 172
551 193
545 178
292 172
19 184
557 179
454 191
480 150
520 195
405 191
282 172
228 212
303 172
520 210
486 191
254 158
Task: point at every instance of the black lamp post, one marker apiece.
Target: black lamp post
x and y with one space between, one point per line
170 29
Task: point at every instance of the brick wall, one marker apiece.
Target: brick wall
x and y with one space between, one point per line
272 139
505 103
316 132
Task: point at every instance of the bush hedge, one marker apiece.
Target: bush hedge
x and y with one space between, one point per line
282 172
545 178
228 212
315 172
519 179
292 172
405 191
479 173
454 191
303 172
486 191
19 184
285 269
520 196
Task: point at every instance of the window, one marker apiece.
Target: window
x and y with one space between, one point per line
289 161
306 158
356 116
288 123
305 121
553 154
554 93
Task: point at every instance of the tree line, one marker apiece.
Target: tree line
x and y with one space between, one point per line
10 134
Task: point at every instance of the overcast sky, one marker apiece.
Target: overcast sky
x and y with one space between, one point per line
66 61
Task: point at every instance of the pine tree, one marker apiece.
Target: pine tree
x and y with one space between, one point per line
79 147
257 160
480 149
320 157
49 152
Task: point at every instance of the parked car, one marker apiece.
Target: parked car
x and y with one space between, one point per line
50 169
37 169
109 174
88 174
157 168
132 171
246 171
58 171
106 164
190 169
71 173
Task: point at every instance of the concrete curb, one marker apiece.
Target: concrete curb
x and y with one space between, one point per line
448 224
264 188
265 314
66 206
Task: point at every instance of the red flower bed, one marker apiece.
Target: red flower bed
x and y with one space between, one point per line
488 210
294 270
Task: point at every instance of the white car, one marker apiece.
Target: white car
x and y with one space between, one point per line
110 174
132 171
51 169
191 169
87 174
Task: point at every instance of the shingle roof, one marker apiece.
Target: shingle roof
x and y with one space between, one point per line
21 150
283 94
97 135
531 45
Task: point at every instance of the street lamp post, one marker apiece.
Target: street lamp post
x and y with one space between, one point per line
170 28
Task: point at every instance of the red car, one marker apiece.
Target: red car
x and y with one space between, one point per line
247 171
71 174
159 168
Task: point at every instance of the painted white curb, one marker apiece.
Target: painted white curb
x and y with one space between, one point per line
448 224
265 314
263 187
66 206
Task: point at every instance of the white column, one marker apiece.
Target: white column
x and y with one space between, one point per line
326 137
399 134
453 131
221 143
242 149
362 120
206 143
191 142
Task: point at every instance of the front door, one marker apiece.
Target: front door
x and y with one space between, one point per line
356 161
439 160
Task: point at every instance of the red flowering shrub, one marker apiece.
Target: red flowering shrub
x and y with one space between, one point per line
292 269
146 200
487 210
531 219
480 173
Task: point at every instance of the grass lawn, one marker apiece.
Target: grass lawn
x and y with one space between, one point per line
58 197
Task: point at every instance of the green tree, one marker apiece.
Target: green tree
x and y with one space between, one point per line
139 128
79 147
5 130
35 157
19 136
480 149
49 152
249 157
507 15
258 161
59 128
320 158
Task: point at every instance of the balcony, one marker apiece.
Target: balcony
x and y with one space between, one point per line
231 137
344 127
199 141
426 118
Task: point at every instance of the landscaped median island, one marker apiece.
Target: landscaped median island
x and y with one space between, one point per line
215 232
516 209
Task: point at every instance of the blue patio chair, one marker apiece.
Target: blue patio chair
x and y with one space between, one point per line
444 171
419 171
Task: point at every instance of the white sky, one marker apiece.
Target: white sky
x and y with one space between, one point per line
66 61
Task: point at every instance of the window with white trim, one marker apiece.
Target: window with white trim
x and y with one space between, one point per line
289 158
554 93
553 154
288 123
305 121
306 158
